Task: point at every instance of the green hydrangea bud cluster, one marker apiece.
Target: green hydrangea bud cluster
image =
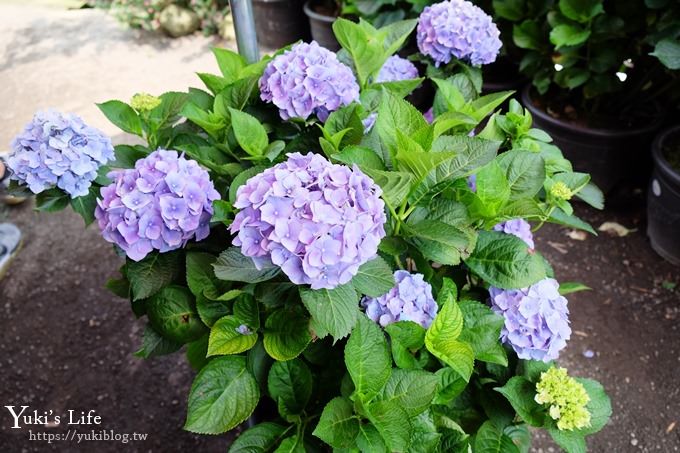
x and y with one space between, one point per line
567 399
143 102
560 191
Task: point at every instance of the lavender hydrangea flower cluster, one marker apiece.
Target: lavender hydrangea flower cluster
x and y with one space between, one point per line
308 79
162 203
396 69
318 221
536 319
57 149
519 228
410 300
458 29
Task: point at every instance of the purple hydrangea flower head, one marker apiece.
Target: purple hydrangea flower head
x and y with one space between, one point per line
536 319
396 69
57 149
317 221
458 29
410 300
161 204
519 228
308 79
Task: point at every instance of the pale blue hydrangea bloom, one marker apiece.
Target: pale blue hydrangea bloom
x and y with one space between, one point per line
458 29
410 300
536 319
396 69
318 221
161 204
58 150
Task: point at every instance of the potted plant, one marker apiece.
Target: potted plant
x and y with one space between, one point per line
598 86
663 196
280 22
351 274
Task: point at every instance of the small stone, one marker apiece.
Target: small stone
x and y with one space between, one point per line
588 354
634 442
178 21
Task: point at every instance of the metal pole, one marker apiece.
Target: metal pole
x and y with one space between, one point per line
244 26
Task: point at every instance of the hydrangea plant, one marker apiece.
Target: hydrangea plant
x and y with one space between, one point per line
378 291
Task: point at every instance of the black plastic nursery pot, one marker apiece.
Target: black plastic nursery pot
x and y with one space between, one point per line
611 156
663 198
321 27
280 22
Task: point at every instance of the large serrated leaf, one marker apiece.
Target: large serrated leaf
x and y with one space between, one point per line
335 310
368 359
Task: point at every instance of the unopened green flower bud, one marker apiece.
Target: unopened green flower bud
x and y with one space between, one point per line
560 191
143 102
566 397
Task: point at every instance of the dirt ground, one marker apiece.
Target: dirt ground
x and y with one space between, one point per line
67 343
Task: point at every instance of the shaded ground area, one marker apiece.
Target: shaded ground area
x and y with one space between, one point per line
66 343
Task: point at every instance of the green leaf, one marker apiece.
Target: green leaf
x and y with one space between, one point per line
122 115
504 261
85 205
490 439
250 134
290 384
366 49
394 184
413 390
441 242
441 339
229 62
668 52
291 445
395 114
335 310
153 273
473 153
232 265
51 200
581 10
405 336
568 35
168 110
493 188
599 406
153 344
338 426
482 331
592 195
520 393
374 278
532 369
369 439
527 35
200 273
572 287
363 157
451 384
222 396
172 313
525 172
368 359
211 310
393 424
286 334
225 338
562 218
261 438
246 309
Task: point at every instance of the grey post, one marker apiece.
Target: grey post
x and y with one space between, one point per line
244 26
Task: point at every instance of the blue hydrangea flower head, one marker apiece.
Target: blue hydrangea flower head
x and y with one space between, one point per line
458 29
58 150
410 300
536 319
317 221
308 80
395 69
161 204
517 227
